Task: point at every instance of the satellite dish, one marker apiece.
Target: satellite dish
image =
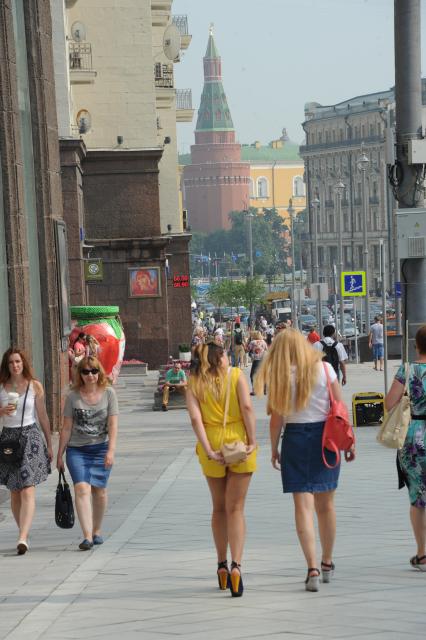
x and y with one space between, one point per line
172 42
78 32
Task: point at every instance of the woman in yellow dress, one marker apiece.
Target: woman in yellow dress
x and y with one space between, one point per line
228 484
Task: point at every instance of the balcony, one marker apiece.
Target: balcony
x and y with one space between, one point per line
80 62
181 22
184 110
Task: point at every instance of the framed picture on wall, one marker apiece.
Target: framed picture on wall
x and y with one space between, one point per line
144 282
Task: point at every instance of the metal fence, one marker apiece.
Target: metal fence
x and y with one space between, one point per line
80 56
183 98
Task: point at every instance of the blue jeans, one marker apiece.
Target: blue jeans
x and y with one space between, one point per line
378 351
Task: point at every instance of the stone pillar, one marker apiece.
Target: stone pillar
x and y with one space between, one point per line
72 155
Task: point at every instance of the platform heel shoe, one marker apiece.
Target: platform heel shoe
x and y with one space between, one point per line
312 581
327 571
236 581
223 575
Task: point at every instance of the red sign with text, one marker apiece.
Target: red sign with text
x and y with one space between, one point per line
179 282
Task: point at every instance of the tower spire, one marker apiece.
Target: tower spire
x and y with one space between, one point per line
213 114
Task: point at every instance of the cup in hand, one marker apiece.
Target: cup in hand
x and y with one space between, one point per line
12 398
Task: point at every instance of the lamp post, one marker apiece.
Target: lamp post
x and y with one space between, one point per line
250 217
292 214
315 204
339 189
362 164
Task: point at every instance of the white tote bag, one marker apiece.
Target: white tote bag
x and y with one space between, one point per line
394 429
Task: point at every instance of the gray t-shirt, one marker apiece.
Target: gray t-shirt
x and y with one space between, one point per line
376 331
90 421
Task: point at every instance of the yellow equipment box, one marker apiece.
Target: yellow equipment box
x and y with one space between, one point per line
368 408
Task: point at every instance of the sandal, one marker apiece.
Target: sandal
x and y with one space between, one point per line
312 582
223 575
417 562
327 571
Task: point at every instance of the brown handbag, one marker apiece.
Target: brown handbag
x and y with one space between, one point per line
232 452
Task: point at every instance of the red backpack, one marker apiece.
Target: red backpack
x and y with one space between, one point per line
338 434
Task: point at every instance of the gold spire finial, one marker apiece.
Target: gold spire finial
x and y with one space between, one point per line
211 28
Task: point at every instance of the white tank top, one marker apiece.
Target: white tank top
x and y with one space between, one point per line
12 422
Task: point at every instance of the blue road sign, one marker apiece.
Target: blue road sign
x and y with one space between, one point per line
353 283
398 290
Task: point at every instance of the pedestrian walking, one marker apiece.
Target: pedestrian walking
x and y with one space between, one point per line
375 342
313 336
210 383
89 436
299 402
238 344
411 458
335 352
257 348
21 404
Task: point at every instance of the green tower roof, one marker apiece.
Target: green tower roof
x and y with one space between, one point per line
214 113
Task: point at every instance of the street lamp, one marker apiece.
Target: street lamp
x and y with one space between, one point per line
362 163
315 204
339 189
250 217
292 214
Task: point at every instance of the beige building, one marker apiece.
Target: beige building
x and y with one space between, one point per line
336 137
117 110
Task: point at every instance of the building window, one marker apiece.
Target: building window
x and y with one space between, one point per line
319 137
372 130
262 187
251 188
331 223
376 258
363 131
340 134
298 187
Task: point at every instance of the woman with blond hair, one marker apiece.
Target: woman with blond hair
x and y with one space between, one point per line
211 382
89 435
298 401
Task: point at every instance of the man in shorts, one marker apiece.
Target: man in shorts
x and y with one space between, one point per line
375 342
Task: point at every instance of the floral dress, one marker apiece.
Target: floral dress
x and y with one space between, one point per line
412 456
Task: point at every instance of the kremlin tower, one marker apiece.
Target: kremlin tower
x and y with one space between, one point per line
217 181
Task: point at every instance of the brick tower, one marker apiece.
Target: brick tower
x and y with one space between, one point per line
217 181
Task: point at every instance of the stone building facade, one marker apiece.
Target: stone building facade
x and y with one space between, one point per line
336 136
33 266
216 181
119 160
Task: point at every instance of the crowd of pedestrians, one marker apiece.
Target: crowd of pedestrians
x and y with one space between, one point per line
299 375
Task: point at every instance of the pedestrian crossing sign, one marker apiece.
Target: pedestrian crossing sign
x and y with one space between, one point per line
353 283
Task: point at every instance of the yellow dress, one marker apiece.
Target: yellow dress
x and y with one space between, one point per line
212 410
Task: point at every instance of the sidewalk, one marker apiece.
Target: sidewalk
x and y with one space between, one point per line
154 578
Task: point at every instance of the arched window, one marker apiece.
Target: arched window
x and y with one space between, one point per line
251 188
298 187
262 188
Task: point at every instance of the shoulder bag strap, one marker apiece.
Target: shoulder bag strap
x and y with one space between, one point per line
327 375
228 393
23 408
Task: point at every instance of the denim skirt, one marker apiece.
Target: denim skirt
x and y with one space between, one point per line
87 464
302 466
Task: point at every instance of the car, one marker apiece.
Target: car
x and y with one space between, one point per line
307 321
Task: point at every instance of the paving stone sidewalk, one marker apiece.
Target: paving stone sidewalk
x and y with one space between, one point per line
154 578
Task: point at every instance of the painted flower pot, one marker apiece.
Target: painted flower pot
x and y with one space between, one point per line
104 324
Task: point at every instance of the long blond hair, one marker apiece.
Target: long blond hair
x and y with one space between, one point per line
207 374
288 348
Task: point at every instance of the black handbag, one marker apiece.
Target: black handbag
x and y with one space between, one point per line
64 509
12 451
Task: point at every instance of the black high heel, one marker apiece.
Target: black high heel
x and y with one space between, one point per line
222 577
236 581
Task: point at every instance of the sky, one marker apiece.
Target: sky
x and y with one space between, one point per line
278 55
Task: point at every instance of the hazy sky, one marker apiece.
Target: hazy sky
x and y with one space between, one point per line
279 54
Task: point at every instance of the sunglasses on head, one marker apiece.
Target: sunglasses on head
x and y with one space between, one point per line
86 372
